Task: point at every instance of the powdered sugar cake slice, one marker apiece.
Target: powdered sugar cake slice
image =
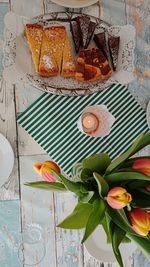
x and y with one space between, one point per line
68 64
47 65
34 34
56 35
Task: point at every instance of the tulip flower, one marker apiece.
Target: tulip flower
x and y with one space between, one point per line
140 221
45 170
142 165
118 198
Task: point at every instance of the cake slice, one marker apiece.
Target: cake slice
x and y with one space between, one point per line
34 34
75 34
85 71
56 36
90 32
100 40
83 24
68 65
101 62
113 43
47 64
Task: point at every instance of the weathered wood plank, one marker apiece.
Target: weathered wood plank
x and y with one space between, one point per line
25 96
52 7
94 10
27 8
4 8
138 15
69 249
37 209
10 237
9 190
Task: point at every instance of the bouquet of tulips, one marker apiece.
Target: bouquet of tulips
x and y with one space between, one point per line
114 194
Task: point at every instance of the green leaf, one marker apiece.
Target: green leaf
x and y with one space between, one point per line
95 217
97 163
119 218
142 243
144 191
70 185
125 176
139 202
137 184
102 184
55 186
117 235
86 197
142 141
78 218
105 223
86 175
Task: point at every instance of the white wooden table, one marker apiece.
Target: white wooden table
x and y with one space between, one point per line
21 206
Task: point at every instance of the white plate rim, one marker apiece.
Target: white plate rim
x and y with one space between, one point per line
99 254
79 4
9 160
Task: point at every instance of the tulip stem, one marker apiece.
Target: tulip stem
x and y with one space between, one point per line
128 207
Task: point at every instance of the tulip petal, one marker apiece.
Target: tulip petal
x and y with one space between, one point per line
37 167
142 165
140 221
139 230
115 204
116 191
118 198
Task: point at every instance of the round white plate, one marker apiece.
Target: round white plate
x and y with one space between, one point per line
97 247
75 3
148 114
6 159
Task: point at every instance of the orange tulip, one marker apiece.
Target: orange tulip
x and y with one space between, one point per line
140 221
45 170
118 198
142 165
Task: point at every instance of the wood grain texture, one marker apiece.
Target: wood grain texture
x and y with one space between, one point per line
37 208
10 233
10 189
27 8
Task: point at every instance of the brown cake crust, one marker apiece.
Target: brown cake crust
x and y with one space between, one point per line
34 35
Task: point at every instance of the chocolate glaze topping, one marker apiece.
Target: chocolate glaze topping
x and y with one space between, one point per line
113 43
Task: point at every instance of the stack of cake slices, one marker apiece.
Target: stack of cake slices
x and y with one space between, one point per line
51 50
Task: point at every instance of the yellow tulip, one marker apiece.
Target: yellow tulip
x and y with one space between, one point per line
118 198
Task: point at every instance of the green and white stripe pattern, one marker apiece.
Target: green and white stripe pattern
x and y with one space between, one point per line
52 121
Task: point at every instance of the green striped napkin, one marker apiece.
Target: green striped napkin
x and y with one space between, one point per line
52 121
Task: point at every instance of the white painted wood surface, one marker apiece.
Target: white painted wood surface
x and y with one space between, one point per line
39 207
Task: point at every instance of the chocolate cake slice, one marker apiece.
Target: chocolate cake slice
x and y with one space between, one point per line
83 24
100 40
113 43
75 34
101 62
90 32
